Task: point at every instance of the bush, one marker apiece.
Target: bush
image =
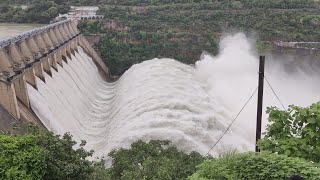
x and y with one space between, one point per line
42 155
21 158
153 160
294 132
255 166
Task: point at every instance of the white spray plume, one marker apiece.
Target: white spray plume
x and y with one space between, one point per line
232 76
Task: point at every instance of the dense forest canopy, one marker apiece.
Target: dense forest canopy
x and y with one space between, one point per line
42 11
243 3
37 11
138 30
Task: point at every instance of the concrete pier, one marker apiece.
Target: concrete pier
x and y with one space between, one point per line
32 54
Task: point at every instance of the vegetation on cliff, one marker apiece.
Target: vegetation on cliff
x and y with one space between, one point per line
37 11
179 29
120 55
182 30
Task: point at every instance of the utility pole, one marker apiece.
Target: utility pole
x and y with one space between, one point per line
260 100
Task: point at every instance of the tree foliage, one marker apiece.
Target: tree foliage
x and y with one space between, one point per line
42 155
294 132
255 166
121 50
37 11
21 158
153 160
183 29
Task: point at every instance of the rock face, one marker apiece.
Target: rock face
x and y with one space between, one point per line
93 39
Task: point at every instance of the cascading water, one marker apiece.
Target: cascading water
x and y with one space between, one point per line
157 99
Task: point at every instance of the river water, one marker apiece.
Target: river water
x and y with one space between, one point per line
11 29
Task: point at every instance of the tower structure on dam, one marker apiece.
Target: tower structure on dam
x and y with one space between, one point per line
31 54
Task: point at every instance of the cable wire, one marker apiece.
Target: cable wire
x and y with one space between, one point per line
232 122
275 93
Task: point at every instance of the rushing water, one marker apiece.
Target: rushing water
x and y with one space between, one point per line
158 99
165 99
11 29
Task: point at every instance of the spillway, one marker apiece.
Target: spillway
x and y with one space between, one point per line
157 99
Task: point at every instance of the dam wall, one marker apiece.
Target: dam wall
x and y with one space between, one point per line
34 55
159 99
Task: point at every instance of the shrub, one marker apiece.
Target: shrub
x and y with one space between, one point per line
153 160
42 155
255 166
294 132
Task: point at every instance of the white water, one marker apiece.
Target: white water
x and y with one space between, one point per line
163 99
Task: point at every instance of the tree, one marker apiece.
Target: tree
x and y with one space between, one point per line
154 160
53 11
42 155
63 9
261 166
294 132
21 158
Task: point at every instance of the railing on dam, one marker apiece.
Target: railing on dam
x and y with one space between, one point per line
31 54
19 53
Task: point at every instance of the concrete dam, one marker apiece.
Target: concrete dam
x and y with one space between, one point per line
51 76
31 56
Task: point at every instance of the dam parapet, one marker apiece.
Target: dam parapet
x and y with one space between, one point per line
29 55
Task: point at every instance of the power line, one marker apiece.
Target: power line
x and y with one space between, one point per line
275 93
232 121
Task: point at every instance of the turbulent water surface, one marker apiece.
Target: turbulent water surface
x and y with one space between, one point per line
165 99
